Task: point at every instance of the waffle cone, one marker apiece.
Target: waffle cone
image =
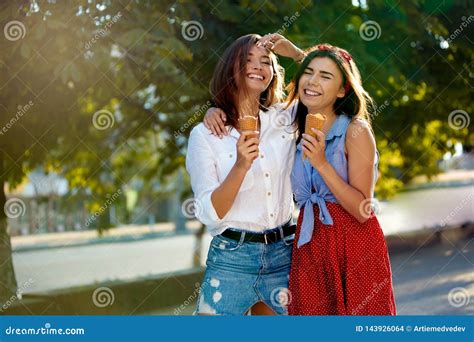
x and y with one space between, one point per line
248 123
313 121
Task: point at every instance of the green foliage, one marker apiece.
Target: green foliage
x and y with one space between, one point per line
75 60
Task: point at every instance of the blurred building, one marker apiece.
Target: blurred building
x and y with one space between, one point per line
46 205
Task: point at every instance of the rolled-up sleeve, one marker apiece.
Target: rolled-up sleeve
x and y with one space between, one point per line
201 166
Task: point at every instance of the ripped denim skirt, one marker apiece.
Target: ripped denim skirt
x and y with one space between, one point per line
242 273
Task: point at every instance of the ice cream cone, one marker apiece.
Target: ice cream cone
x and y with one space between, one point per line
313 121
248 123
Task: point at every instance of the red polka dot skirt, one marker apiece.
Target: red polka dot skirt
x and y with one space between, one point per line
343 270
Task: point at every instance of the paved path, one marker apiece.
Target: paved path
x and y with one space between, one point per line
423 281
74 266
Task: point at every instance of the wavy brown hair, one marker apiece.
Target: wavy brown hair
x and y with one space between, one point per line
356 103
227 81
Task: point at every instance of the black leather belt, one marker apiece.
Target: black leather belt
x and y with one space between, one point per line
266 238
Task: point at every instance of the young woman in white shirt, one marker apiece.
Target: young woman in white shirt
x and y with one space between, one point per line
241 184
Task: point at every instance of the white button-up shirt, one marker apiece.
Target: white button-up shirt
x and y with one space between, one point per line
265 198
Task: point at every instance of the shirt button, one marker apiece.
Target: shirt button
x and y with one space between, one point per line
271 215
269 193
230 155
283 136
267 174
261 156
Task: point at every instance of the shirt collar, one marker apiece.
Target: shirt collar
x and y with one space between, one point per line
338 127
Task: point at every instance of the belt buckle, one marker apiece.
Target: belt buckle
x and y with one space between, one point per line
265 238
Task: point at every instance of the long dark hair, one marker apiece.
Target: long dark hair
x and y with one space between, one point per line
356 103
227 81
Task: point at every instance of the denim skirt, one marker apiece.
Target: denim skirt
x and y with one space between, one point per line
240 274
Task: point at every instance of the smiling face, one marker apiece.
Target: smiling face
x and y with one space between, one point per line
320 85
246 76
258 71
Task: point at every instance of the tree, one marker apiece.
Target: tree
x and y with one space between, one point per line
84 75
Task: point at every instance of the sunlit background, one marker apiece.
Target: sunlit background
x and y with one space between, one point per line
97 99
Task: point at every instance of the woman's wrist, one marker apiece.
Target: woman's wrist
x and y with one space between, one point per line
299 56
241 168
322 167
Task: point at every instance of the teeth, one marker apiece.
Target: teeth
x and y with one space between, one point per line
311 93
255 76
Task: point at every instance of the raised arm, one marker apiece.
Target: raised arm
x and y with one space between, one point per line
282 46
214 120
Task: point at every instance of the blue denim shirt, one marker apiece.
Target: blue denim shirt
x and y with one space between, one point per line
305 178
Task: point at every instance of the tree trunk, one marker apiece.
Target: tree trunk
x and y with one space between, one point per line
8 284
